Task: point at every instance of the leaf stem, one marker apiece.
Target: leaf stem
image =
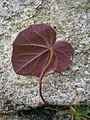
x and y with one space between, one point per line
43 72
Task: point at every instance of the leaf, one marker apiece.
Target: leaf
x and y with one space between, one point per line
35 52
31 51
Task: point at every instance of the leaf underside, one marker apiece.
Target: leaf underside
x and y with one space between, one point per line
31 51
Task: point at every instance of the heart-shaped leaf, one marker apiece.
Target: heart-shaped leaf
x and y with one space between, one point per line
36 52
31 51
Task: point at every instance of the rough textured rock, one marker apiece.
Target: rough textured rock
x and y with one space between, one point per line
70 20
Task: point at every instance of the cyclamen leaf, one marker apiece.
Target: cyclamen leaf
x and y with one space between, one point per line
31 51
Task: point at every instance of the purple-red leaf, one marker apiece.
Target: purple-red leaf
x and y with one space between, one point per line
31 51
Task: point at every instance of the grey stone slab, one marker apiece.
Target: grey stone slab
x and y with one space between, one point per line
69 19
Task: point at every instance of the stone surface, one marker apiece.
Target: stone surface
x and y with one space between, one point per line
70 20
